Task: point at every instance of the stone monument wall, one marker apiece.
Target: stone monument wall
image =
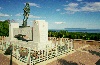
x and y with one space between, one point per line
24 31
11 26
40 33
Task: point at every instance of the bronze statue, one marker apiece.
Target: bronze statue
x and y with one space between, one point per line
26 14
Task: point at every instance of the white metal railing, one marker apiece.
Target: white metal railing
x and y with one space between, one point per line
47 54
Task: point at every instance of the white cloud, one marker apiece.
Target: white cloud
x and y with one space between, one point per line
86 7
57 9
19 14
59 22
72 7
79 0
91 7
3 15
32 16
33 4
72 4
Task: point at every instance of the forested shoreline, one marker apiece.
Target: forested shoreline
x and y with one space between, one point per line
74 35
4 31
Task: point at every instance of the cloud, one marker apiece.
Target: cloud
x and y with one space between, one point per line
32 16
79 0
59 22
86 7
73 4
3 15
19 14
91 7
71 8
33 4
57 9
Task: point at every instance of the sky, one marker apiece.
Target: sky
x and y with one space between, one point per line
59 14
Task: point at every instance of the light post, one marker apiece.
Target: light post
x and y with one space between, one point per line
11 48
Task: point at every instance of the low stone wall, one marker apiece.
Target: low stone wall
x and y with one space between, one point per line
90 42
96 43
80 41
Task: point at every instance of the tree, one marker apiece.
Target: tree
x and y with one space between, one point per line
4 28
74 35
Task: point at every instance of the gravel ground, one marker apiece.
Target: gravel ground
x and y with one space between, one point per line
79 57
4 60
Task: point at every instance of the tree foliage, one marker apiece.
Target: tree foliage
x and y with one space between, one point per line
4 28
74 35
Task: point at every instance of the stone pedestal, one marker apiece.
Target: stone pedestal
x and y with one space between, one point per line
11 28
40 33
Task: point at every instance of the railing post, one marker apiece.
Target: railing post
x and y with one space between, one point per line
71 44
28 57
65 48
67 44
31 61
56 49
39 56
17 52
47 51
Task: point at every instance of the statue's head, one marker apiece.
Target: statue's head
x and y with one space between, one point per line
27 3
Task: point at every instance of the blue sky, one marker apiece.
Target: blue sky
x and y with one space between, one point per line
59 14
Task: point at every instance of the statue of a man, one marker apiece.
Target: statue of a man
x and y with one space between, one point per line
26 14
